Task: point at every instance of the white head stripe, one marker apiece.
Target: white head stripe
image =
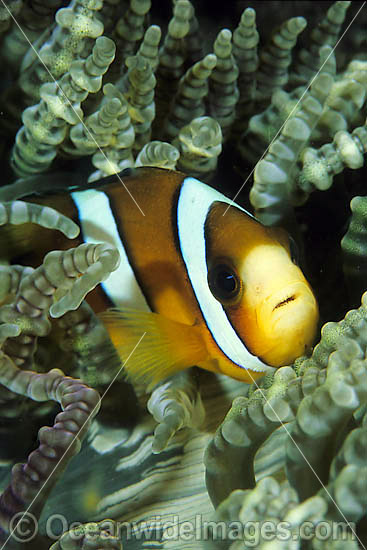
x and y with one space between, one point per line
193 206
99 225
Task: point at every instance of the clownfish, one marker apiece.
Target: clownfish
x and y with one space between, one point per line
207 283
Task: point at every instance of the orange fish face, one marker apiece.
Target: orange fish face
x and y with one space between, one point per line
264 294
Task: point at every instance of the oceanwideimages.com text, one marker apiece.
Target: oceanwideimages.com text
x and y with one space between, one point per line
25 528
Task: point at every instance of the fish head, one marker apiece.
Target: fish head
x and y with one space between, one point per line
266 298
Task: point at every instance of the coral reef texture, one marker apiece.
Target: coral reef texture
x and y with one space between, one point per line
273 97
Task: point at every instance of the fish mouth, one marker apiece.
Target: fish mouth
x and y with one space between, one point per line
288 320
291 294
285 301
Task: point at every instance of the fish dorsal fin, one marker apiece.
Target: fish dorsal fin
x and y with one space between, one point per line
165 346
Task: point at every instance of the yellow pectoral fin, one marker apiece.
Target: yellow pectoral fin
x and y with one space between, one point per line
151 346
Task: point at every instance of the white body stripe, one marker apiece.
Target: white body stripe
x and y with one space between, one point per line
193 206
99 225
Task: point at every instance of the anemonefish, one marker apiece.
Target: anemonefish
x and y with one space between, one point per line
203 280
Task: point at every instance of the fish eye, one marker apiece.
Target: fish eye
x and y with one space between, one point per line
224 283
294 252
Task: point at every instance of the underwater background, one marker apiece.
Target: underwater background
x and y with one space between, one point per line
266 102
